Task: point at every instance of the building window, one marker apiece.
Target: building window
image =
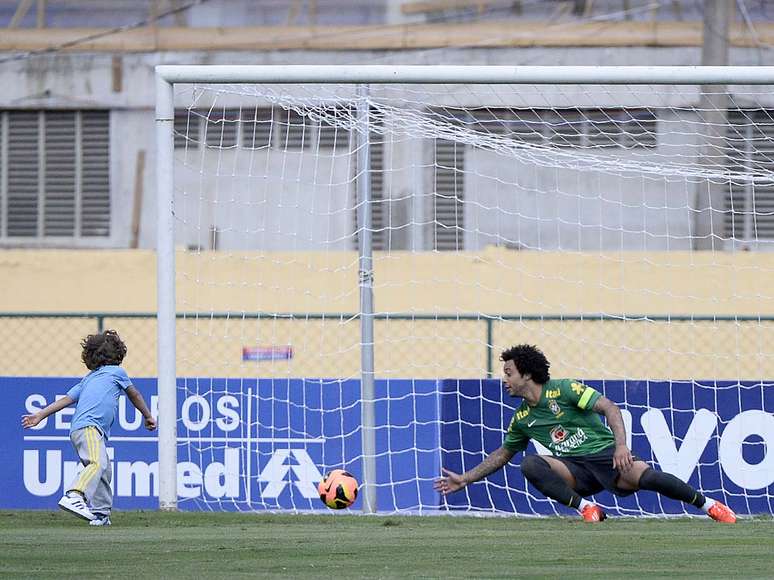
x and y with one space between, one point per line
221 128
261 128
381 214
594 128
186 129
449 196
54 174
257 128
330 134
749 211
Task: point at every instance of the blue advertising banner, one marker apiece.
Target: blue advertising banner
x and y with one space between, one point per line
716 435
242 444
264 444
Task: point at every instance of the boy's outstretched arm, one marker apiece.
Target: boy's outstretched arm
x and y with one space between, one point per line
135 397
32 420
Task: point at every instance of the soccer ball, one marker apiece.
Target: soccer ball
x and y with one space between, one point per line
338 489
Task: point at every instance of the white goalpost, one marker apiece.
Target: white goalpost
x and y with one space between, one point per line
344 251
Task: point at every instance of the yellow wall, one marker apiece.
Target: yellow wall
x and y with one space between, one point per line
495 281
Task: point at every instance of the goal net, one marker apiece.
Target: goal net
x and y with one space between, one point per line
351 258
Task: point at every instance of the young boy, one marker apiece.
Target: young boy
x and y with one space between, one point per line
96 398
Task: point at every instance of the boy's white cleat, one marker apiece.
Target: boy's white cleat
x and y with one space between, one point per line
100 520
74 504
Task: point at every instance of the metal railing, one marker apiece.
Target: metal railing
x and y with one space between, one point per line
407 345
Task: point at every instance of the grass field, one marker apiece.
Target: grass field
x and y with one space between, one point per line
204 545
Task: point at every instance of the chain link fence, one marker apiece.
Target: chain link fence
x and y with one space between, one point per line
407 346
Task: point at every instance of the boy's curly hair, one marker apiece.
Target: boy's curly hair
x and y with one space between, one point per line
529 359
105 348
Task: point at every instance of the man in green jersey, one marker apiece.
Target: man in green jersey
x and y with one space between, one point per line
588 457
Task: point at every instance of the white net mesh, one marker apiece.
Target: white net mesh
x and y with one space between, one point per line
610 225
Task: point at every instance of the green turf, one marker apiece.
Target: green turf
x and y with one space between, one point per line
203 545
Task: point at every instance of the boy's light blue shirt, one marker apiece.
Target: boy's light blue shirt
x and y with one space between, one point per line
97 396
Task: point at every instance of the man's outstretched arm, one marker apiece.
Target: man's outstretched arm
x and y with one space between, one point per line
452 482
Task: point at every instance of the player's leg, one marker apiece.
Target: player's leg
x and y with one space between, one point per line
564 481
642 476
630 479
74 499
93 455
102 499
552 478
98 463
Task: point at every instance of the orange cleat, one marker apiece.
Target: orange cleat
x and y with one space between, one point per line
721 513
593 513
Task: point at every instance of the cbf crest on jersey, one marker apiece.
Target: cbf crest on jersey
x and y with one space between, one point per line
558 434
554 406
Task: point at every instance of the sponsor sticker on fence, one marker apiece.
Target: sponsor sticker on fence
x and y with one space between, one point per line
259 353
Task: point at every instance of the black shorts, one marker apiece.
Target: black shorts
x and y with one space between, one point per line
595 472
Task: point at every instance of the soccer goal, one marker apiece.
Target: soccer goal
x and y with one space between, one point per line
344 251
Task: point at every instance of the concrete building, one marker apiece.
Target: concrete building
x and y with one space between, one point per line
77 127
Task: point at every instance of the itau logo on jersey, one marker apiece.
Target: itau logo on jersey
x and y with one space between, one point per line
558 434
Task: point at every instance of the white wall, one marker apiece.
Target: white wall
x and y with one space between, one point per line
268 199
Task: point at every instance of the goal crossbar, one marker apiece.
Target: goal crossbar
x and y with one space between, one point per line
672 75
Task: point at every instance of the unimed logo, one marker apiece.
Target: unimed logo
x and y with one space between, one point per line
46 472
218 463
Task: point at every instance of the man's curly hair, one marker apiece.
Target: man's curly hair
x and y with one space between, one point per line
530 360
105 348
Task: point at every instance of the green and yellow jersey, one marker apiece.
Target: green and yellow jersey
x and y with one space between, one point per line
562 421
